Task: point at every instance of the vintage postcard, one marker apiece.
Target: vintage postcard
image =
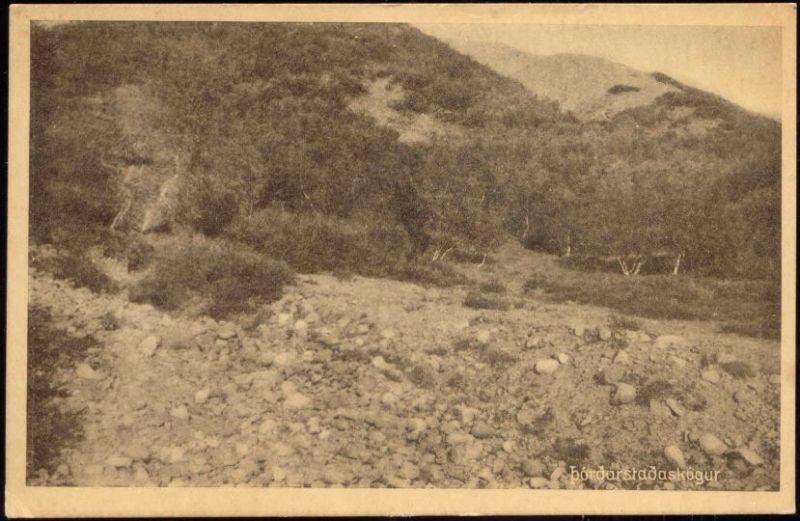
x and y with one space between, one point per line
401 259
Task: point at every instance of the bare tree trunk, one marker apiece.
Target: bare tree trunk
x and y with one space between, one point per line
527 228
625 270
677 264
638 266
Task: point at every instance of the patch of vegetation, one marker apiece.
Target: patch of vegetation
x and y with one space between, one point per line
229 279
493 286
655 390
478 300
619 89
77 268
571 451
421 376
738 369
621 322
742 304
50 429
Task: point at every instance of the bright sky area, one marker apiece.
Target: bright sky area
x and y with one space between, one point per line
742 64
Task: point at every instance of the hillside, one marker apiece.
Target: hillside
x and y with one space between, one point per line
589 87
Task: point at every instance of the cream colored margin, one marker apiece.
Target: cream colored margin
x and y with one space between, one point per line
22 501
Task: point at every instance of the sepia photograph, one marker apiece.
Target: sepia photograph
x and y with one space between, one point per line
429 254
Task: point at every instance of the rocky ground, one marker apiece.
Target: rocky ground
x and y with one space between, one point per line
377 383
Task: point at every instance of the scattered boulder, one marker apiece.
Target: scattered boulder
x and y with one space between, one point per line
532 468
674 455
226 331
483 336
297 401
546 366
180 413
563 358
202 395
604 333
622 357
612 375
711 376
481 430
149 345
625 393
750 456
86 372
712 445
676 408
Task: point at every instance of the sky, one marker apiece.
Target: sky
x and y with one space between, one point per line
742 64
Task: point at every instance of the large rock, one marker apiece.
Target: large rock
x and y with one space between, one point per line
86 372
546 366
712 445
149 345
625 393
674 455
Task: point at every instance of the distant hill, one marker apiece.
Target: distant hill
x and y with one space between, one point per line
589 87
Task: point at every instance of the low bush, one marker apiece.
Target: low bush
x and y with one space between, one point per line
478 300
493 286
78 269
312 242
226 278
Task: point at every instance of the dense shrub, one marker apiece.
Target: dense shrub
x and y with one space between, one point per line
478 300
224 278
312 242
50 428
77 268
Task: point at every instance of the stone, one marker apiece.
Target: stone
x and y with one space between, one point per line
625 393
533 343
334 477
742 397
226 331
86 372
578 329
388 334
539 482
750 456
180 412
118 462
604 333
563 358
297 401
202 395
622 357
481 430
278 474
674 455
388 399
665 341
483 336
711 376
171 454
676 408
546 366
284 319
282 359
532 468
612 375
712 445
149 345
409 471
